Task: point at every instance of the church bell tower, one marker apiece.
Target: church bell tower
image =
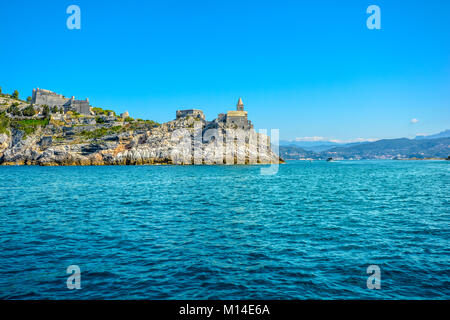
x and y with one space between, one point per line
240 105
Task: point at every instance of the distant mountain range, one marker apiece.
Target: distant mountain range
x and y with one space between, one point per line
433 146
323 145
443 134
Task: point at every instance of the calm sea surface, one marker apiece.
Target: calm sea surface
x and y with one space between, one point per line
226 232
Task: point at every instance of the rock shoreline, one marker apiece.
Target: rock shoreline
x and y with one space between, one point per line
132 144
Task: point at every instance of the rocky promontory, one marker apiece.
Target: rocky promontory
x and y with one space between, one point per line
46 136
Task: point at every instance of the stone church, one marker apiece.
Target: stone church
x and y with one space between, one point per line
235 119
238 118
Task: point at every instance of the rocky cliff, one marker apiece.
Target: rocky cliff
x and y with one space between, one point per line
71 139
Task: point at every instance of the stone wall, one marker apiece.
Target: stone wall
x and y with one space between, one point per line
42 97
238 120
50 100
190 112
81 106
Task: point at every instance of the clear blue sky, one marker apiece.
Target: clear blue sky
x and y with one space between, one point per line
309 68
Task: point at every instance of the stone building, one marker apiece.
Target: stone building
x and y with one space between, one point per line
238 119
42 97
190 113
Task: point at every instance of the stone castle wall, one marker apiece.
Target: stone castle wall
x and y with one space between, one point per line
50 100
81 106
190 112
45 97
239 122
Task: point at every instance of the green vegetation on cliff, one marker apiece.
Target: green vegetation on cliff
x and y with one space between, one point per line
100 111
99 120
15 94
101 132
152 123
29 111
62 126
4 123
14 110
29 126
45 110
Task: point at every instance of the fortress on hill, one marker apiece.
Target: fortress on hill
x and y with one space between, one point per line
236 119
42 97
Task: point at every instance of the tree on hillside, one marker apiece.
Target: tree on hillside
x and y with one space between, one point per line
28 99
13 110
0 90
15 94
29 111
99 120
45 110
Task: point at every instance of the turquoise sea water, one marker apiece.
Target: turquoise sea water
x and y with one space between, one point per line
226 232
